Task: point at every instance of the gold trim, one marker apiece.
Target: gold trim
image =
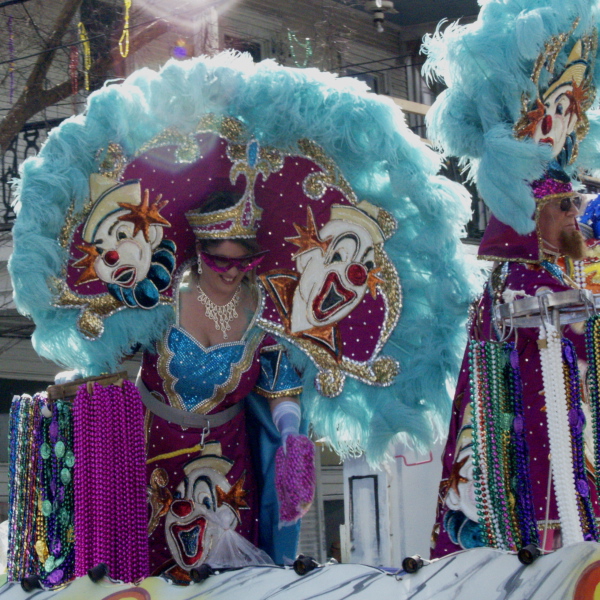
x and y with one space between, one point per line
316 183
114 161
504 259
271 348
93 309
282 394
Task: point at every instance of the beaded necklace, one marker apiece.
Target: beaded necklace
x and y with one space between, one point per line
54 535
561 447
220 314
576 426
24 421
110 482
497 461
592 346
520 458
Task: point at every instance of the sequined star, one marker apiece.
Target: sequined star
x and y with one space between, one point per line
373 281
145 214
577 97
87 262
455 477
234 497
308 237
527 125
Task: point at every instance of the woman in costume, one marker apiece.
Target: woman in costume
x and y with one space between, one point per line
514 469
204 488
372 275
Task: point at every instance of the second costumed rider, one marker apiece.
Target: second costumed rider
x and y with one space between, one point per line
206 483
515 469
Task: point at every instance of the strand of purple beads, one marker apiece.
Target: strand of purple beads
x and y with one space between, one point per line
110 486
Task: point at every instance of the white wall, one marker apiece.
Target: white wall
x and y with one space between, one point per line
389 513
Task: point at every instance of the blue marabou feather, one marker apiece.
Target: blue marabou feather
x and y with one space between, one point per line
487 66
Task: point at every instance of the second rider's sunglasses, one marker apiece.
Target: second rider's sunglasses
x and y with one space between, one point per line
222 264
566 203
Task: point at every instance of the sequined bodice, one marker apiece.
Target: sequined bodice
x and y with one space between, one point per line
198 372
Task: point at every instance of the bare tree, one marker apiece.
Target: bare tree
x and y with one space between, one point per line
37 96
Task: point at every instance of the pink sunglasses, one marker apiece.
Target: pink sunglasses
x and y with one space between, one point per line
222 264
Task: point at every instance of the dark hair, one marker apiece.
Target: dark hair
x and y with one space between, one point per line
221 200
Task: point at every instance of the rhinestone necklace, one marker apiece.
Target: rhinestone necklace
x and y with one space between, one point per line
221 315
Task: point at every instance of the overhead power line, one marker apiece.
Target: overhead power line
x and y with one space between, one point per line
100 35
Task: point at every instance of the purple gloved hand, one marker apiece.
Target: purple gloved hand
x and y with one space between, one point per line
295 478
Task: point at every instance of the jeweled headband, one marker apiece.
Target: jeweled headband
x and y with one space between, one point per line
238 221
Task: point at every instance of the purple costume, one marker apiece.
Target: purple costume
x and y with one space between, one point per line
462 516
202 481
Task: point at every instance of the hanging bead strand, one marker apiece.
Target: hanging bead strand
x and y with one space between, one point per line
560 442
11 58
521 475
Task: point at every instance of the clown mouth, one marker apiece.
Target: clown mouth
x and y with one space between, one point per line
189 538
332 297
124 276
547 140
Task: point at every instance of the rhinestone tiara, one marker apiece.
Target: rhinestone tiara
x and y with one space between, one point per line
238 221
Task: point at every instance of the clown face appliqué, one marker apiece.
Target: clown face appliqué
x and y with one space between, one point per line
201 520
123 243
342 299
557 116
337 270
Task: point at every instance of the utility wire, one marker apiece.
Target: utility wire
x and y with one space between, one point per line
390 68
101 35
368 62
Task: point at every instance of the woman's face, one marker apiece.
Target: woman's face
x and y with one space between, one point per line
227 282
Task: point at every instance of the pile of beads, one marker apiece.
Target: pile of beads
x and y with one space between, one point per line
110 482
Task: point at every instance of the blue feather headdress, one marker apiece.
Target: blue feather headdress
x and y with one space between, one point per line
496 70
383 162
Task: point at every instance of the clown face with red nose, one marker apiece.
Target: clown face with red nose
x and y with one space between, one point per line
123 243
336 273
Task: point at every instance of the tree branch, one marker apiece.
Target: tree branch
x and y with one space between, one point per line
35 99
42 65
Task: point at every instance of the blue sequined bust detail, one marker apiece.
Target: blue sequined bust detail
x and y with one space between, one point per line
199 372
